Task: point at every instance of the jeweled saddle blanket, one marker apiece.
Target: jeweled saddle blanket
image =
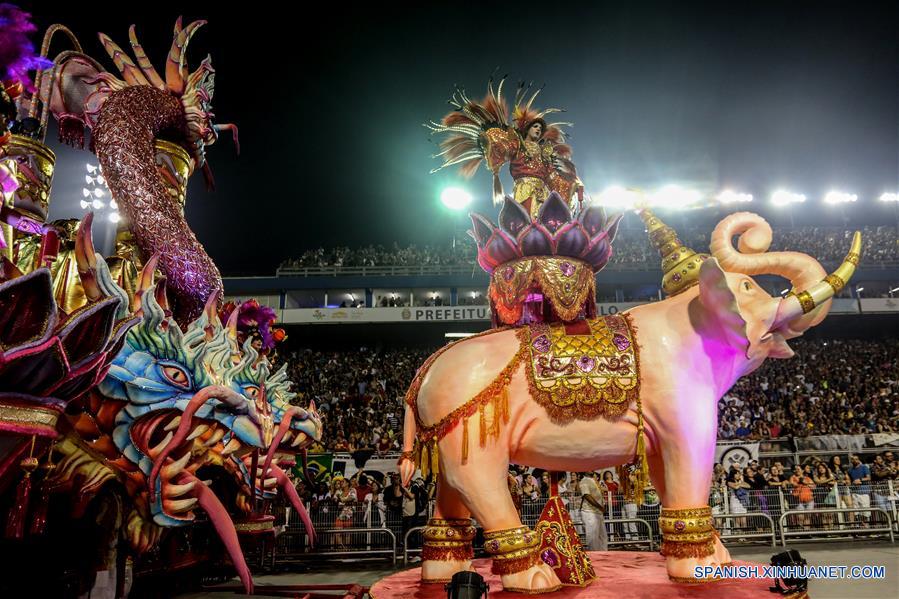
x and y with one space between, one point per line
584 370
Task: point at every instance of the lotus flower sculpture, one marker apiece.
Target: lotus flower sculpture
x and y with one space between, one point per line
554 232
49 358
553 257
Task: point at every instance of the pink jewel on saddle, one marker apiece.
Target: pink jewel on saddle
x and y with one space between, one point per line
549 558
567 268
508 273
494 545
676 278
621 342
680 526
542 344
586 363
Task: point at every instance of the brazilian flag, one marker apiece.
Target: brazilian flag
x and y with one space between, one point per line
319 467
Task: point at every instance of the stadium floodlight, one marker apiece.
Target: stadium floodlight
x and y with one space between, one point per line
113 204
97 204
85 192
114 217
455 198
782 197
675 196
889 197
88 179
731 197
84 205
618 197
839 197
91 168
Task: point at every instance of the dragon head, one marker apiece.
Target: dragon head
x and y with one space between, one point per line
194 89
180 404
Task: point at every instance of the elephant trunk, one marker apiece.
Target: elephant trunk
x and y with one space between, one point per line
752 258
123 138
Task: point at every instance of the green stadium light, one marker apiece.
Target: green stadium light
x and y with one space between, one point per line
455 198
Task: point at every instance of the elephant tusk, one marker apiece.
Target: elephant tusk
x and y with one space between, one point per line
797 304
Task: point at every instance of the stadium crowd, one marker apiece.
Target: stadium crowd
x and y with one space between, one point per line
631 248
829 387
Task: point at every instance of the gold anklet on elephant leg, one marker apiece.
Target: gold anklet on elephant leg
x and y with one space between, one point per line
513 550
687 532
448 540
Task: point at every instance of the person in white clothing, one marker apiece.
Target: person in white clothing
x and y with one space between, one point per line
593 508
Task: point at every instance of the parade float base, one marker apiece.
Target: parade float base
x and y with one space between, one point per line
619 575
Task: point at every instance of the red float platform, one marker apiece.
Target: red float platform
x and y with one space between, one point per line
619 575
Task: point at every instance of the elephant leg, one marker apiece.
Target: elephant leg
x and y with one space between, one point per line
447 545
482 486
682 475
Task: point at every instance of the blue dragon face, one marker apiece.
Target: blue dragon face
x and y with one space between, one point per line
272 394
184 405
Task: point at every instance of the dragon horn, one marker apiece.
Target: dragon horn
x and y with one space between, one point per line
129 70
86 259
145 280
143 62
175 69
161 298
233 129
211 307
178 25
232 323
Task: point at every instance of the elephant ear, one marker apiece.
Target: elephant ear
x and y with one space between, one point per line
718 300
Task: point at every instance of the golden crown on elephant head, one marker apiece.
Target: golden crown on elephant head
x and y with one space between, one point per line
680 264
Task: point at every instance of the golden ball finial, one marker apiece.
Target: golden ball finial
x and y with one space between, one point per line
680 264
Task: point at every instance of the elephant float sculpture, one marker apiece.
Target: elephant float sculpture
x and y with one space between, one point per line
590 393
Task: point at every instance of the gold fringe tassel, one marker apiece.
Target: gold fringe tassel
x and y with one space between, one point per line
483 425
464 441
505 404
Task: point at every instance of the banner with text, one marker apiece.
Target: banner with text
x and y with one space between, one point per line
414 314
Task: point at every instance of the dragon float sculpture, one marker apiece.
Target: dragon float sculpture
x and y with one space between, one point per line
121 383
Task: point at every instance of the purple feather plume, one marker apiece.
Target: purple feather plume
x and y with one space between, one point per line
17 55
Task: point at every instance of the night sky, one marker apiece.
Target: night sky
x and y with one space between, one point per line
753 95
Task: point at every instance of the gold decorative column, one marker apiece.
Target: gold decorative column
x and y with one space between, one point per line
680 264
34 165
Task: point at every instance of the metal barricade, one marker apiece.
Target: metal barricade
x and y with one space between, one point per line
410 548
340 542
742 528
632 536
812 523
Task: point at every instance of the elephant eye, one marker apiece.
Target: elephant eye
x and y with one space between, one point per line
252 391
176 375
747 285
